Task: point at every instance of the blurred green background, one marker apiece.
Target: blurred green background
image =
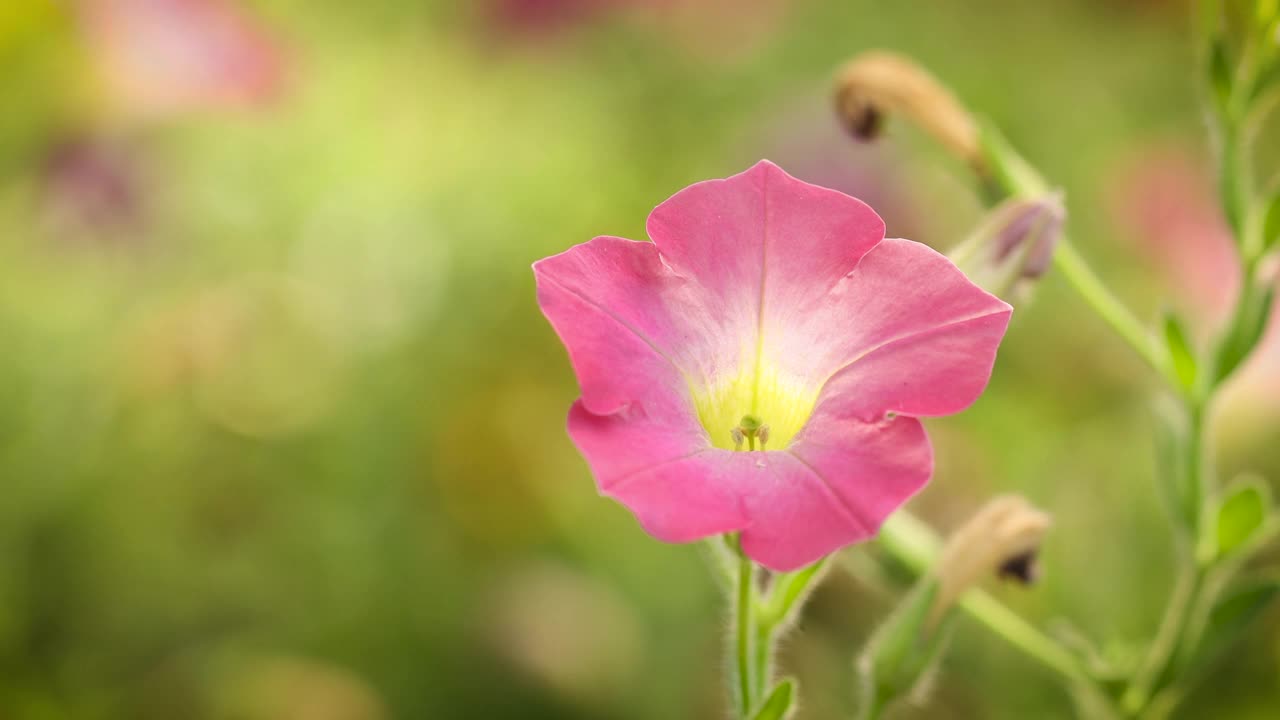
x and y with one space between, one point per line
281 427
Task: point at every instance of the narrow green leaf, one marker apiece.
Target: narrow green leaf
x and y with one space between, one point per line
1220 74
1271 220
1267 80
1245 333
1265 11
891 648
1232 615
1171 474
778 704
926 663
1184 359
1231 192
1237 609
1242 514
788 592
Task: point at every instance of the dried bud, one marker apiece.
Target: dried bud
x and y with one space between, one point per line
901 655
1013 246
877 83
1003 538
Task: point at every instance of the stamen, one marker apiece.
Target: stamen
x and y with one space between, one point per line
750 428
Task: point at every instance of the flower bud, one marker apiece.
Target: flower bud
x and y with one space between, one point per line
900 657
877 83
1013 246
1002 538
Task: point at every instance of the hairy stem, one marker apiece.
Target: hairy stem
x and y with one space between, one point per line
1069 262
744 612
1167 639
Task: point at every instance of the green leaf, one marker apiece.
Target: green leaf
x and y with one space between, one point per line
1231 191
1245 332
778 704
788 592
1220 74
1184 359
1171 469
1232 615
1265 11
893 645
1242 514
890 662
1271 221
1266 81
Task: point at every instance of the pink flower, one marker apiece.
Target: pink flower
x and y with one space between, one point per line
772 314
1165 200
159 57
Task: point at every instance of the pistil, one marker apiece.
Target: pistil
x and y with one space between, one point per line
750 428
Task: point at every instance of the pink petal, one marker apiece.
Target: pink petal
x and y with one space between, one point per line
617 307
679 490
833 488
761 243
610 302
906 332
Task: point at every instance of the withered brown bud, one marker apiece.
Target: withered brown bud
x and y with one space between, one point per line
1020 568
878 83
1003 537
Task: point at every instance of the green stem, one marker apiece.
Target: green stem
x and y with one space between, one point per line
1073 267
744 613
1012 176
774 613
1166 642
1198 488
874 707
763 658
1022 635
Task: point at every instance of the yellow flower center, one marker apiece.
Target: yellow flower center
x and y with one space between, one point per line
760 403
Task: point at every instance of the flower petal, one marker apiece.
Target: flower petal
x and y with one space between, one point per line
679 489
905 332
763 224
615 306
605 299
833 488
760 242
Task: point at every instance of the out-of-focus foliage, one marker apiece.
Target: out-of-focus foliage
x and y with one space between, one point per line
281 428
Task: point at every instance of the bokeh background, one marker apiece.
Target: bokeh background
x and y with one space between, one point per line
281 427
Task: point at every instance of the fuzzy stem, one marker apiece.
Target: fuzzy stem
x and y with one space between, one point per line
1068 261
744 611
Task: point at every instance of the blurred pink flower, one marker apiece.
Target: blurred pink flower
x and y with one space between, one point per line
715 28
165 56
532 17
91 188
773 313
1164 198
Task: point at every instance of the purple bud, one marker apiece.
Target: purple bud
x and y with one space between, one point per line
1013 246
